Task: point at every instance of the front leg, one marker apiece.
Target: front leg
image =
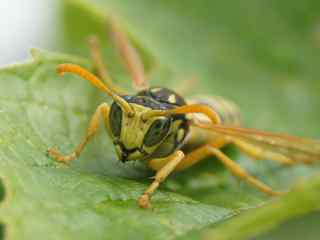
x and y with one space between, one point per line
103 110
171 162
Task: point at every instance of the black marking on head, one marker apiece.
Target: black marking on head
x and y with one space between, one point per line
156 98
125 152
147 102
153 104
163 95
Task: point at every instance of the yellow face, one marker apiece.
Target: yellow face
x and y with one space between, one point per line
134 137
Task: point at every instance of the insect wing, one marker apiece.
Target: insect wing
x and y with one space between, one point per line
296 148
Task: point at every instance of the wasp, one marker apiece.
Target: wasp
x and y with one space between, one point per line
169 133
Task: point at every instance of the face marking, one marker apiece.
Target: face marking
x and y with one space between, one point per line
124 154
172 98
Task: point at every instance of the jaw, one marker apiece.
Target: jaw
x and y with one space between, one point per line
125 155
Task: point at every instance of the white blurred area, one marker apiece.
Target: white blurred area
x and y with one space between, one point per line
25 24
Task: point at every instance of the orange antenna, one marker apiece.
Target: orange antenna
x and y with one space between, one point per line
76 69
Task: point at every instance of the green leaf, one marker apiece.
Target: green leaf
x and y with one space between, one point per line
45 200
290 217
305 227
255 53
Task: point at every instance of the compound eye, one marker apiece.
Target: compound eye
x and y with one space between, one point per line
157 131
115 119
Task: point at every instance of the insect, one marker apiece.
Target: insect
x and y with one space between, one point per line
168 133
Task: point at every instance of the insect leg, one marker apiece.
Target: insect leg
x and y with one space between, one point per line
95 51
130 57
260 153
200 153
171 162
103 110
239 172
211 149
